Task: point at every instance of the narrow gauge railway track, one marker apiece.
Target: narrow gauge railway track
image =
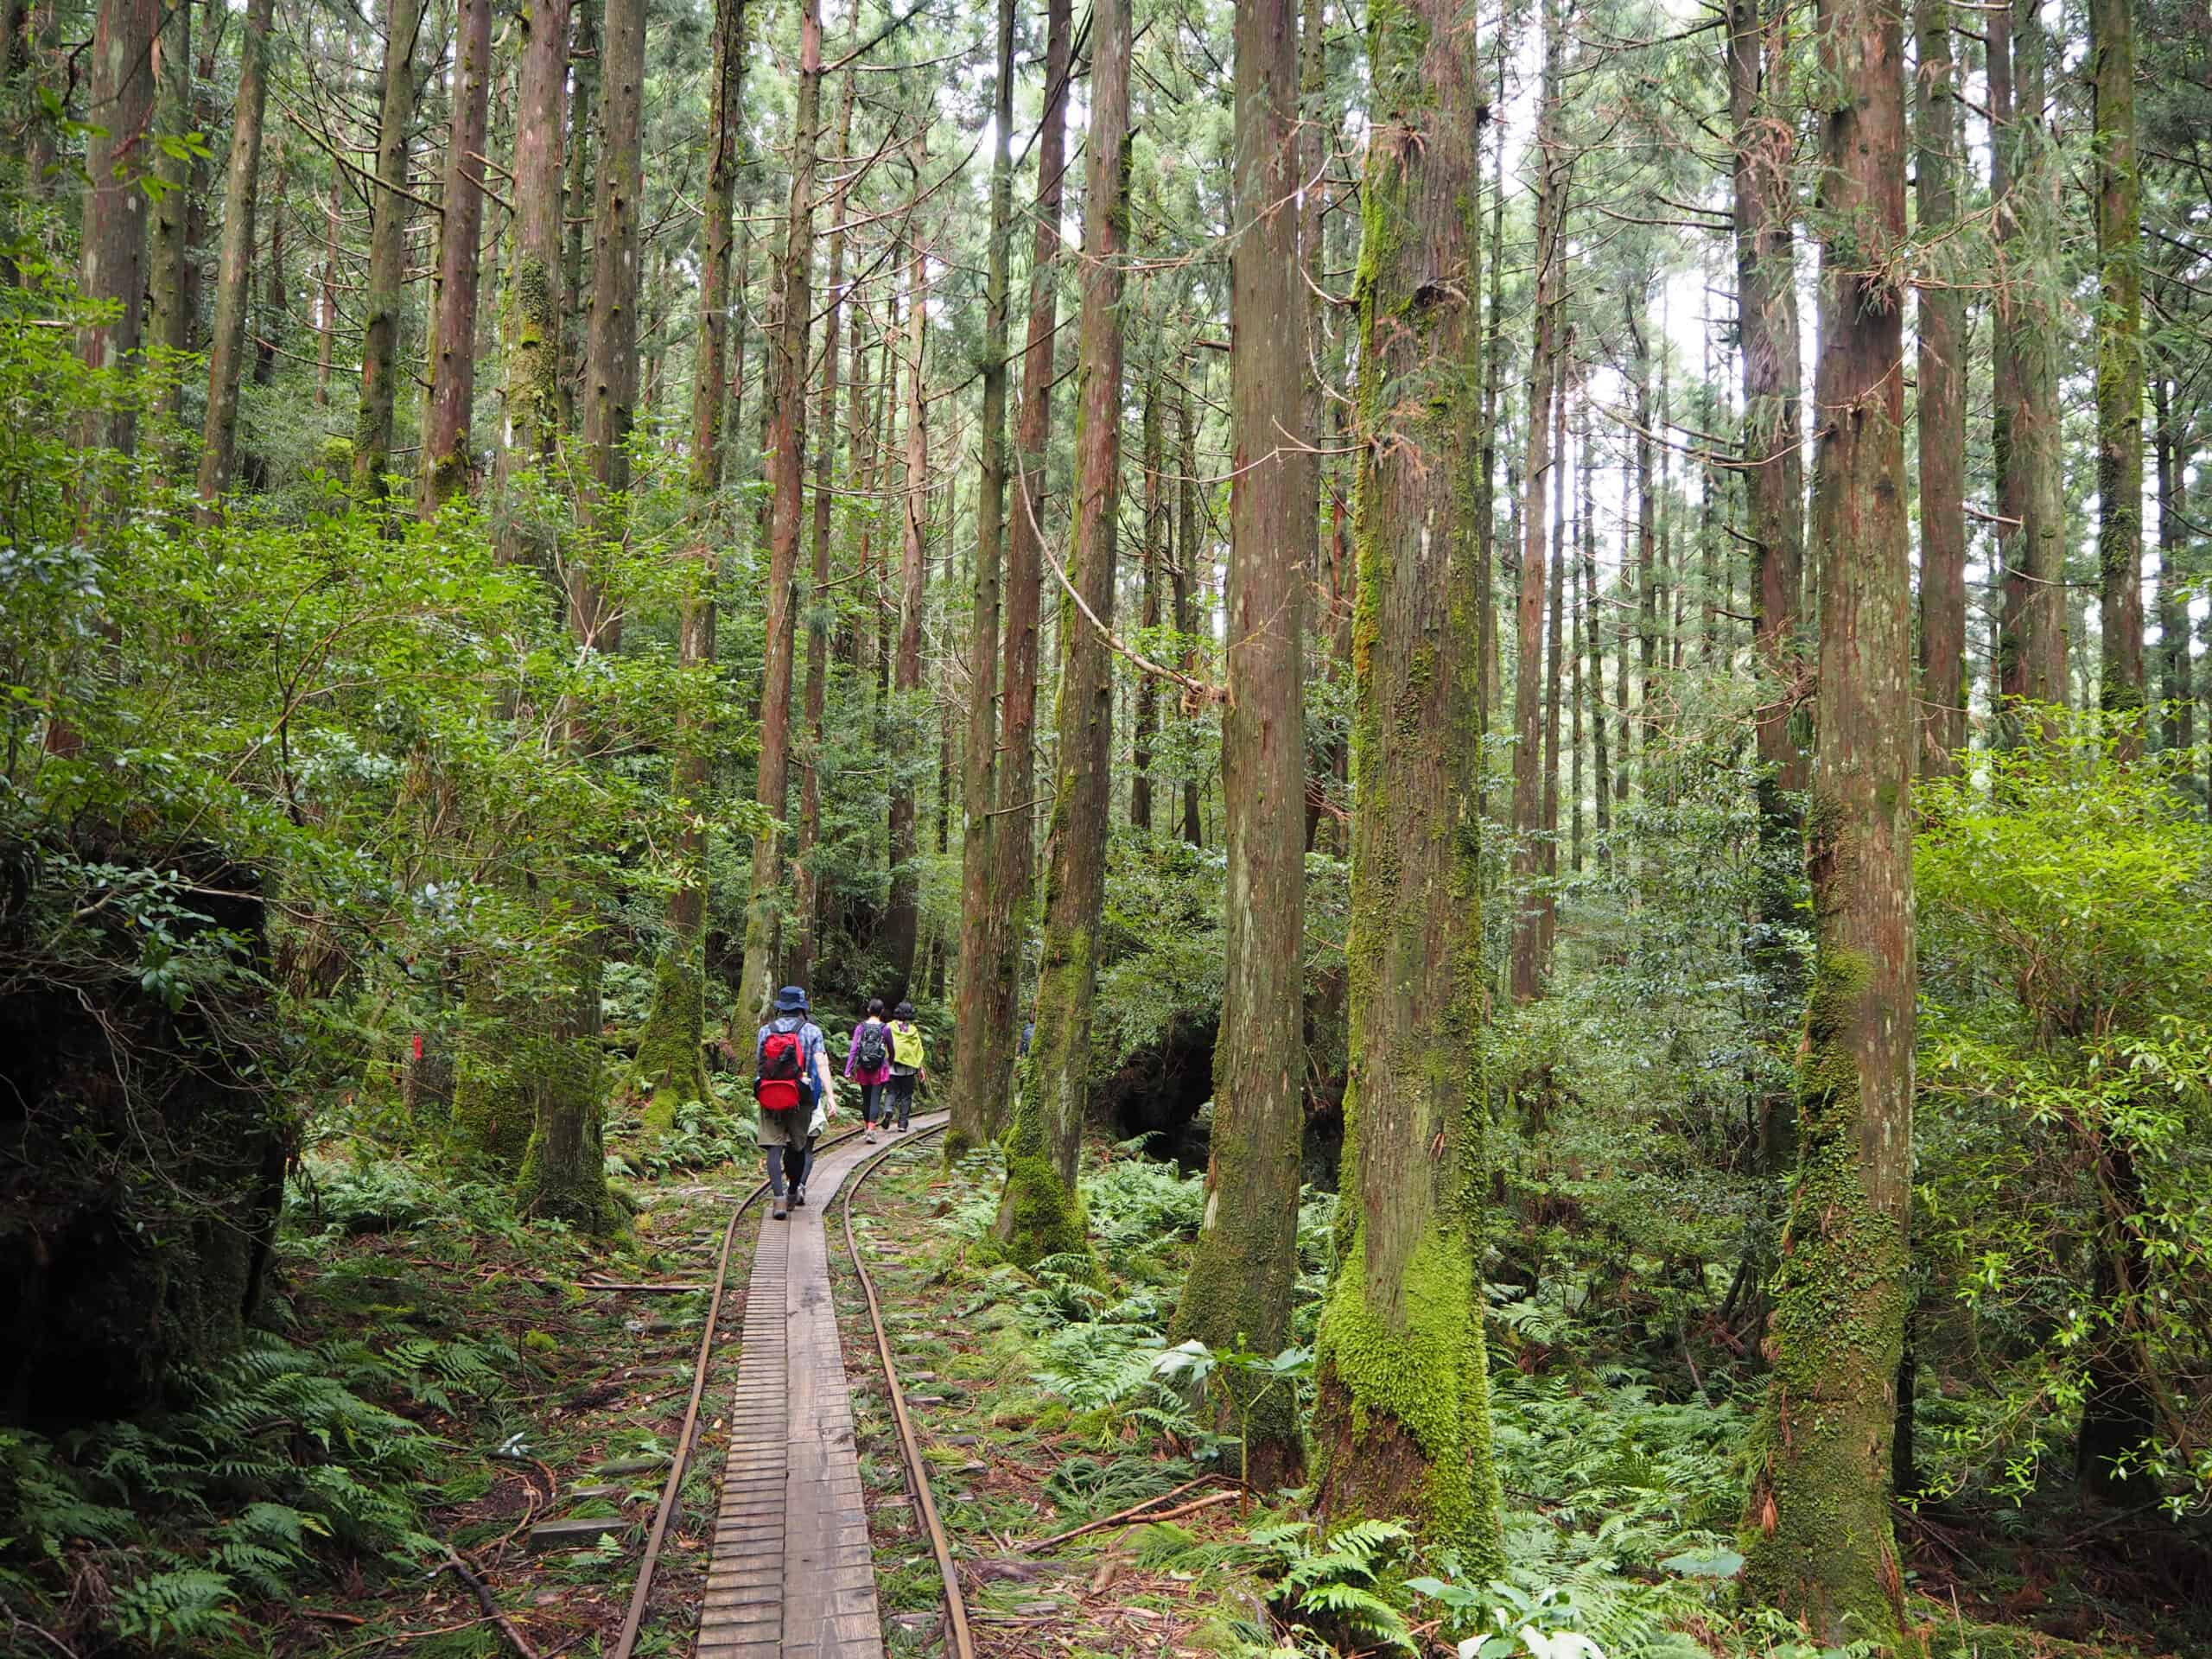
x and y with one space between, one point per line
749 1580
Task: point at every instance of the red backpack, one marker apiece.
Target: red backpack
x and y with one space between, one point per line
782 1064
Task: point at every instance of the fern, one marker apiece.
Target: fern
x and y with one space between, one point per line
186 1607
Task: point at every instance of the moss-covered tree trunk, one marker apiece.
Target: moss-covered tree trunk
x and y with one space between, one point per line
1013 854
1041 1212
389 206
1817 1533
2120 366
169 287
985 912
786 444
1402 1427
1941 311
1245 1263
112 251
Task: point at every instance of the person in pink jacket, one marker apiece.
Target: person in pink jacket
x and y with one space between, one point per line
867 1062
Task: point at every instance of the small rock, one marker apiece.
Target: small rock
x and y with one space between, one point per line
962 1440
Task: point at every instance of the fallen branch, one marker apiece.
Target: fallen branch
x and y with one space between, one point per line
1137 1512
491 1607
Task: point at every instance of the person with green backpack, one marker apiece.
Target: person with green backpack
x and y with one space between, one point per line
908 1066
867 1062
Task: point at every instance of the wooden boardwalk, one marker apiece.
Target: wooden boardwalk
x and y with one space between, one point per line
792 1575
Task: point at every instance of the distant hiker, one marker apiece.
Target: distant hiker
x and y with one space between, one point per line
869 1063
1029 1031
907 1066
790 1077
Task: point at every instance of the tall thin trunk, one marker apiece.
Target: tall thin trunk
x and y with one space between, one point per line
2119 365
985 912
388 213
1489 674
787 443
327 317
610 378
447 460
2175 690
671 1064
583 60
1547 910
169 318
902 916
537 286
1186 554
233 295
1148 693
276 287
1651 717
1822 1547
1941 309
1401 1423
1013 856
807 881
2025 437
113 249
1244 1266
1040 1213
1574 645
1551 163
1600 774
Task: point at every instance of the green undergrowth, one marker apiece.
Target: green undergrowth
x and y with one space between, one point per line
424 1361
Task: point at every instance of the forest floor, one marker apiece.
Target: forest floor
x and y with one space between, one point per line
1042 1406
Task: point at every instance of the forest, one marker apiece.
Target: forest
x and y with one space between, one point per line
1522 688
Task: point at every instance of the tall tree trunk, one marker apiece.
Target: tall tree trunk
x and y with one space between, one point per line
1651 719
447 459
1148 693
787 443
1489 679
1941 309
327 346
1244 1266
2175 690
113 251
1401 1423
2025 437
610 378
537 273
901 919
985 912
275 286
1574 645
169 319
1014 855
234 292
1600 774
1548 906
671 1048
1187 553
388 213
1821 1546
2120 368
583 58
1040 1213
1551 163
816 696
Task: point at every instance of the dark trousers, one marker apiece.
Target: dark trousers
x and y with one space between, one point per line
871 1102
899 1096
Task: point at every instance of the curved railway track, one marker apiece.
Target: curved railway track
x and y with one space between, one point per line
781 1497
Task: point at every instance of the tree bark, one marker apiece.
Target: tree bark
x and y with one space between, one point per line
537 287
986 912
1941 310
234 272
1551 163
2175 675
583 58
447 459
901 921
1187 553
387 281
787 443
1547 904
113 247
1244 1266
1584 536
610 382
1401 1423
1819 1543
276 287
168 292
2024 437
1147 691
1040 1213
1601 773
1013 854
2120 370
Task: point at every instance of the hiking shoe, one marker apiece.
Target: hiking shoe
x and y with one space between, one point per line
798 1198
776 1212
868 1139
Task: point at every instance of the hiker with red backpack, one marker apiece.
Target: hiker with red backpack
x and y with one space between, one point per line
790 1076
867 1062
